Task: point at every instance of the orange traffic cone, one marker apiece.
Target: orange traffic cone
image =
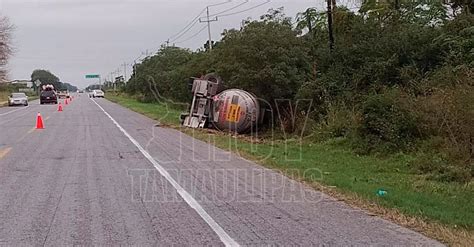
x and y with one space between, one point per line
39 122
66 102
60 107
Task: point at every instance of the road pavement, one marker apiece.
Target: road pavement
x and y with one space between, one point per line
100 174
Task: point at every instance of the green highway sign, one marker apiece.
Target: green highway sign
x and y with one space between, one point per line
92 76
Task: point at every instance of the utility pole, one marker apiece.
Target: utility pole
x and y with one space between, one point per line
208 20
112 75
100 82
116 73
310 24
135 66
124 71
330 31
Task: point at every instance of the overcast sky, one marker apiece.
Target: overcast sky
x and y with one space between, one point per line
72 38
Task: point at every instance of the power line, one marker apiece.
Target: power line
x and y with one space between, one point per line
193 36
187 30
197 19
193 22
245 10
189 24
227 10
202 29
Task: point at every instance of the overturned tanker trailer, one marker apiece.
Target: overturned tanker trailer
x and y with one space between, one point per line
231 110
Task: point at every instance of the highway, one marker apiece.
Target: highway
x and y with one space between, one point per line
100 174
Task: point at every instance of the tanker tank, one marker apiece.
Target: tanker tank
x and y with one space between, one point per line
232 110
235 110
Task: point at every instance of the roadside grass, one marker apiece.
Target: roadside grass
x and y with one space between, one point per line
166 114
444 211
4 98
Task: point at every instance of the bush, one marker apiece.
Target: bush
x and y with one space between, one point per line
340 121
386 123
449 114
266 58
441 168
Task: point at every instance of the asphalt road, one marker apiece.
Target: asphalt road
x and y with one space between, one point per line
99 174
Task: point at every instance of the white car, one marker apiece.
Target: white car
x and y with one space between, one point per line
18 99
98 94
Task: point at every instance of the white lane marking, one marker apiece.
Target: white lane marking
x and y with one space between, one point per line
225 238
6 113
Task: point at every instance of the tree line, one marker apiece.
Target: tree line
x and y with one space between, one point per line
400 76
48 78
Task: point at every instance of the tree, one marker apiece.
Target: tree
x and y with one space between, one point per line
6 29
93 87
422 12
466 6
46 77
162 75
266 58
311 19
69 87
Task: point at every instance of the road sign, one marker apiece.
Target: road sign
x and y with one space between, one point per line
92 76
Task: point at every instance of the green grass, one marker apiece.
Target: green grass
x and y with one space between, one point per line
165 114
4 97
335 165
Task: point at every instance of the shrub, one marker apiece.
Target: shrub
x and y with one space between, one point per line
266 58
340 121
386 123
441 168
449 114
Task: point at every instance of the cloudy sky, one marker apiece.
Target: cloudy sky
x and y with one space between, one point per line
72 38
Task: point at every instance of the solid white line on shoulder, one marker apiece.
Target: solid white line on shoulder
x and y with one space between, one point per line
225 238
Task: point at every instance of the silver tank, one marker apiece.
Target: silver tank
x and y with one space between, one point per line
235 110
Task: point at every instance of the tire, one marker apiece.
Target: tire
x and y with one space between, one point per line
26 104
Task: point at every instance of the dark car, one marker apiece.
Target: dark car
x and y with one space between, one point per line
49 97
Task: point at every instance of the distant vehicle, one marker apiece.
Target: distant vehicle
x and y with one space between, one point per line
80 91
18 99
98 94
48 96
63 94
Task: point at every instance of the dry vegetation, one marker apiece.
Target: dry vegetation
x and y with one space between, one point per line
6 50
